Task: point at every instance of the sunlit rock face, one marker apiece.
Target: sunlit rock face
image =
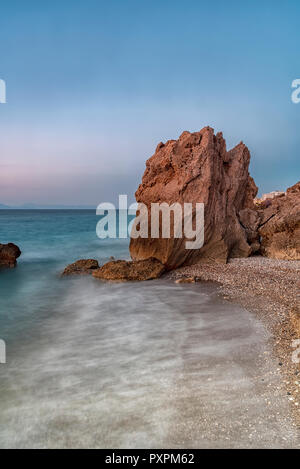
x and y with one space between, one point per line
197 168
280 225
121 270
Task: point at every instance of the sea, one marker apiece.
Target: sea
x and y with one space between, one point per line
91 364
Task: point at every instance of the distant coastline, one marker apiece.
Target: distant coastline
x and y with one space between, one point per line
30 206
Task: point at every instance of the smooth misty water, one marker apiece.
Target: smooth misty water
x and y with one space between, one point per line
49 240
151 364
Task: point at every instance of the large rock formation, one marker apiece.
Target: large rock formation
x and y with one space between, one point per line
198 168
130 270
280 225
8 255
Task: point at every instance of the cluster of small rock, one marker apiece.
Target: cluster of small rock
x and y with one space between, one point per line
117 270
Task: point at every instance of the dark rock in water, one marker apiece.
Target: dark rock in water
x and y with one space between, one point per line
130 270
83 266
8 255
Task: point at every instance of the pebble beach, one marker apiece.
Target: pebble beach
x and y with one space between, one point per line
269 288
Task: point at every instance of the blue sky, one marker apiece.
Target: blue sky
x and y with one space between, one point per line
93 86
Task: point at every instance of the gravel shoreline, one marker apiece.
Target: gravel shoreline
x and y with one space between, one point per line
270 288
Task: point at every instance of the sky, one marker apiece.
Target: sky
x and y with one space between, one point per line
93 86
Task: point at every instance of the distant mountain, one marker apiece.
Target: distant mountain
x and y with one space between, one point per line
30 206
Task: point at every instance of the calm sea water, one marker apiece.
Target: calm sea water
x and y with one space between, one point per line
94 364
49 240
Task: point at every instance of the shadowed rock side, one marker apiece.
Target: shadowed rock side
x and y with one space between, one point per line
80 267
198 168
280 225
133 270
8 255
250 220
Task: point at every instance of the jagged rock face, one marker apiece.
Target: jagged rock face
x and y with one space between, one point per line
8 255
280 226
81 267
193 169
148 269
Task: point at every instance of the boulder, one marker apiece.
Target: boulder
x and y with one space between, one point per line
8 255
280 226
198 168
130 270
82 266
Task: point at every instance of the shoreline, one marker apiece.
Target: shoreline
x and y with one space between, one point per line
269 288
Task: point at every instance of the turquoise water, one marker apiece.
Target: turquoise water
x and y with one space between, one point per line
49 240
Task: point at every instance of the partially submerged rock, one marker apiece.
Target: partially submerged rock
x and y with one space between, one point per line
280 226
82 266
193 169
8 255
130 270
